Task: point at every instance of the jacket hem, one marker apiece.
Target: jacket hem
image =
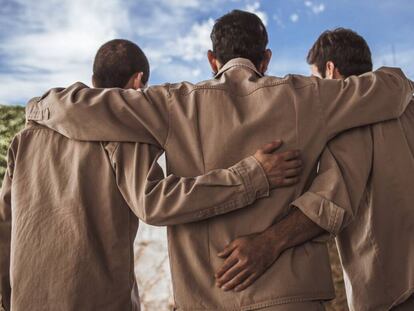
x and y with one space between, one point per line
268 303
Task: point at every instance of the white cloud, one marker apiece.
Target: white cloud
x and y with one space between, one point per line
316 8
57 45
294 17
194 45
184 3
255 8
176 71
53 42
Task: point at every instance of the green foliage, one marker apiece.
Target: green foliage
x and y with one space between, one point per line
12 119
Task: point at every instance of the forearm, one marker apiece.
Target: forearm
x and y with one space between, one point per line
171 200
93 114
295 229
175 200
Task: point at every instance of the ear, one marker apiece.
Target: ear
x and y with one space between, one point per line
213 61
330 70
265 62
137 82
93 81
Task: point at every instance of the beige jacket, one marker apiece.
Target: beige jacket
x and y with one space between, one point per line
68 217
366 178
218 122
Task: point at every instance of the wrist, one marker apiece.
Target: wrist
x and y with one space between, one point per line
277 242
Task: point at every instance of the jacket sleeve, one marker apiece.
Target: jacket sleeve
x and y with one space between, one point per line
159 200
92 114
336 193
361 100
5 235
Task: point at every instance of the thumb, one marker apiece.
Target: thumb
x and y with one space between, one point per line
272 146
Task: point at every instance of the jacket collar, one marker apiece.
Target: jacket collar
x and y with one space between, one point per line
238 62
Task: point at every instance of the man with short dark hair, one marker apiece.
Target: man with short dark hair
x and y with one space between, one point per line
213 123
368 190
343 47
373 190
120 63
240 34
69 210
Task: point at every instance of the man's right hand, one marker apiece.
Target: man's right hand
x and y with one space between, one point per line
282 168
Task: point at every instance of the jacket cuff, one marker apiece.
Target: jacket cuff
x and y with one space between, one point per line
254 178
324 213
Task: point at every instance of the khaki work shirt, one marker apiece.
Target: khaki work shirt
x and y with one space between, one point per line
68 217
364 195
214 123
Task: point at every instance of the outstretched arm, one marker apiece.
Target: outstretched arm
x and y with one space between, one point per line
173 200
362 100
83 113
92 114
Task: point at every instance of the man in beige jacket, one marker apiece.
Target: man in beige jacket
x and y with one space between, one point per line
68 209
366 177
214 123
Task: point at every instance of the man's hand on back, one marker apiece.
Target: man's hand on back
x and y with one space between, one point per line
282 169
248 257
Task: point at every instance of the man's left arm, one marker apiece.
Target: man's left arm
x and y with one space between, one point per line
329 205
171 200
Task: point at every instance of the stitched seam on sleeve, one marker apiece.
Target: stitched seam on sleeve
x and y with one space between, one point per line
262 172
247 182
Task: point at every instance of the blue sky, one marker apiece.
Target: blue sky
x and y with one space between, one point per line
52 43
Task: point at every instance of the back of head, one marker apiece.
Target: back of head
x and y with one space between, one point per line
116 62
348 51
239 34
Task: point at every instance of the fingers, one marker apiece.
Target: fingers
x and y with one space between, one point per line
289 155
294 172
237 280
228 264
227 250
247 282
230 274
271 147
289 182
292 164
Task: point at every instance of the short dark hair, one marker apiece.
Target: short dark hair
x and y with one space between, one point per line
345 48
239 34
116 61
